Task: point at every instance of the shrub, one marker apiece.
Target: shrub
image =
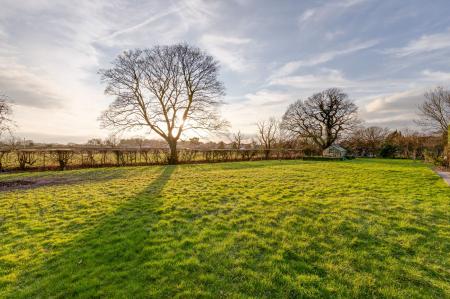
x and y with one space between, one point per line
62 157
434 158
388 151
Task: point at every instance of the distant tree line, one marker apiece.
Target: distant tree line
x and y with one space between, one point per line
385 143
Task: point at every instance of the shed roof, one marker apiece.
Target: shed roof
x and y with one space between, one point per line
336 147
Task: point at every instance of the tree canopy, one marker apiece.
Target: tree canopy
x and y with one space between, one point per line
323 117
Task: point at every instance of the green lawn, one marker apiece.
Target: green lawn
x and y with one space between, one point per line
361 228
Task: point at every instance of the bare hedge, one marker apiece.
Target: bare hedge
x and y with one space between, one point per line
86 157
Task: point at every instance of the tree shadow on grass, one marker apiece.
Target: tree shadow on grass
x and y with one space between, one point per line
103 261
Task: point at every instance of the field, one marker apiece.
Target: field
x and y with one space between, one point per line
360 228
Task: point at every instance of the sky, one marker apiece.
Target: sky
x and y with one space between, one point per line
383 54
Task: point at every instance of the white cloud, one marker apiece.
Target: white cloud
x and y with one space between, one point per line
308 14
436 77
45 67
26 87
331 35
383 102
400 108
424 44
146 22
321 58
252 107
325 79
350 3
396 102
396 110
326 11
158 22
199 12
49 71
228 50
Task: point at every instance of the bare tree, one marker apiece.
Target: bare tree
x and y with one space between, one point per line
323 117
167 89
367 141
267 134
112 140
237 139
6 123
435 111
140 141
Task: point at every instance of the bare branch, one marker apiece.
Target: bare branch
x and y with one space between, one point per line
268 132
6 124
435 111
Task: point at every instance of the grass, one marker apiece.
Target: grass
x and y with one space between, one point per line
361 228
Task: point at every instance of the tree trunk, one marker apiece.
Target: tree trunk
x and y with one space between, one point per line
173 157
266 154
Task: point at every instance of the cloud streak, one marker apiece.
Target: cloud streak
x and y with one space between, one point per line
322 58
229 50
424 44
326 11
397 110
140 25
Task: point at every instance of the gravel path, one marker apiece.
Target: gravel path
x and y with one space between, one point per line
444 175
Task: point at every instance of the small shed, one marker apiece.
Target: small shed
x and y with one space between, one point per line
334 151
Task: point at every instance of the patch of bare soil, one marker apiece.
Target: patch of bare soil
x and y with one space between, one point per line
34 183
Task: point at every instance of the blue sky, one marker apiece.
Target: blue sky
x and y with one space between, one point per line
384 54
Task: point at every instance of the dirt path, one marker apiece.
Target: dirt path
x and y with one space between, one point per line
444 175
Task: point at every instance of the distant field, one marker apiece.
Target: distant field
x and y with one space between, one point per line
360 228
